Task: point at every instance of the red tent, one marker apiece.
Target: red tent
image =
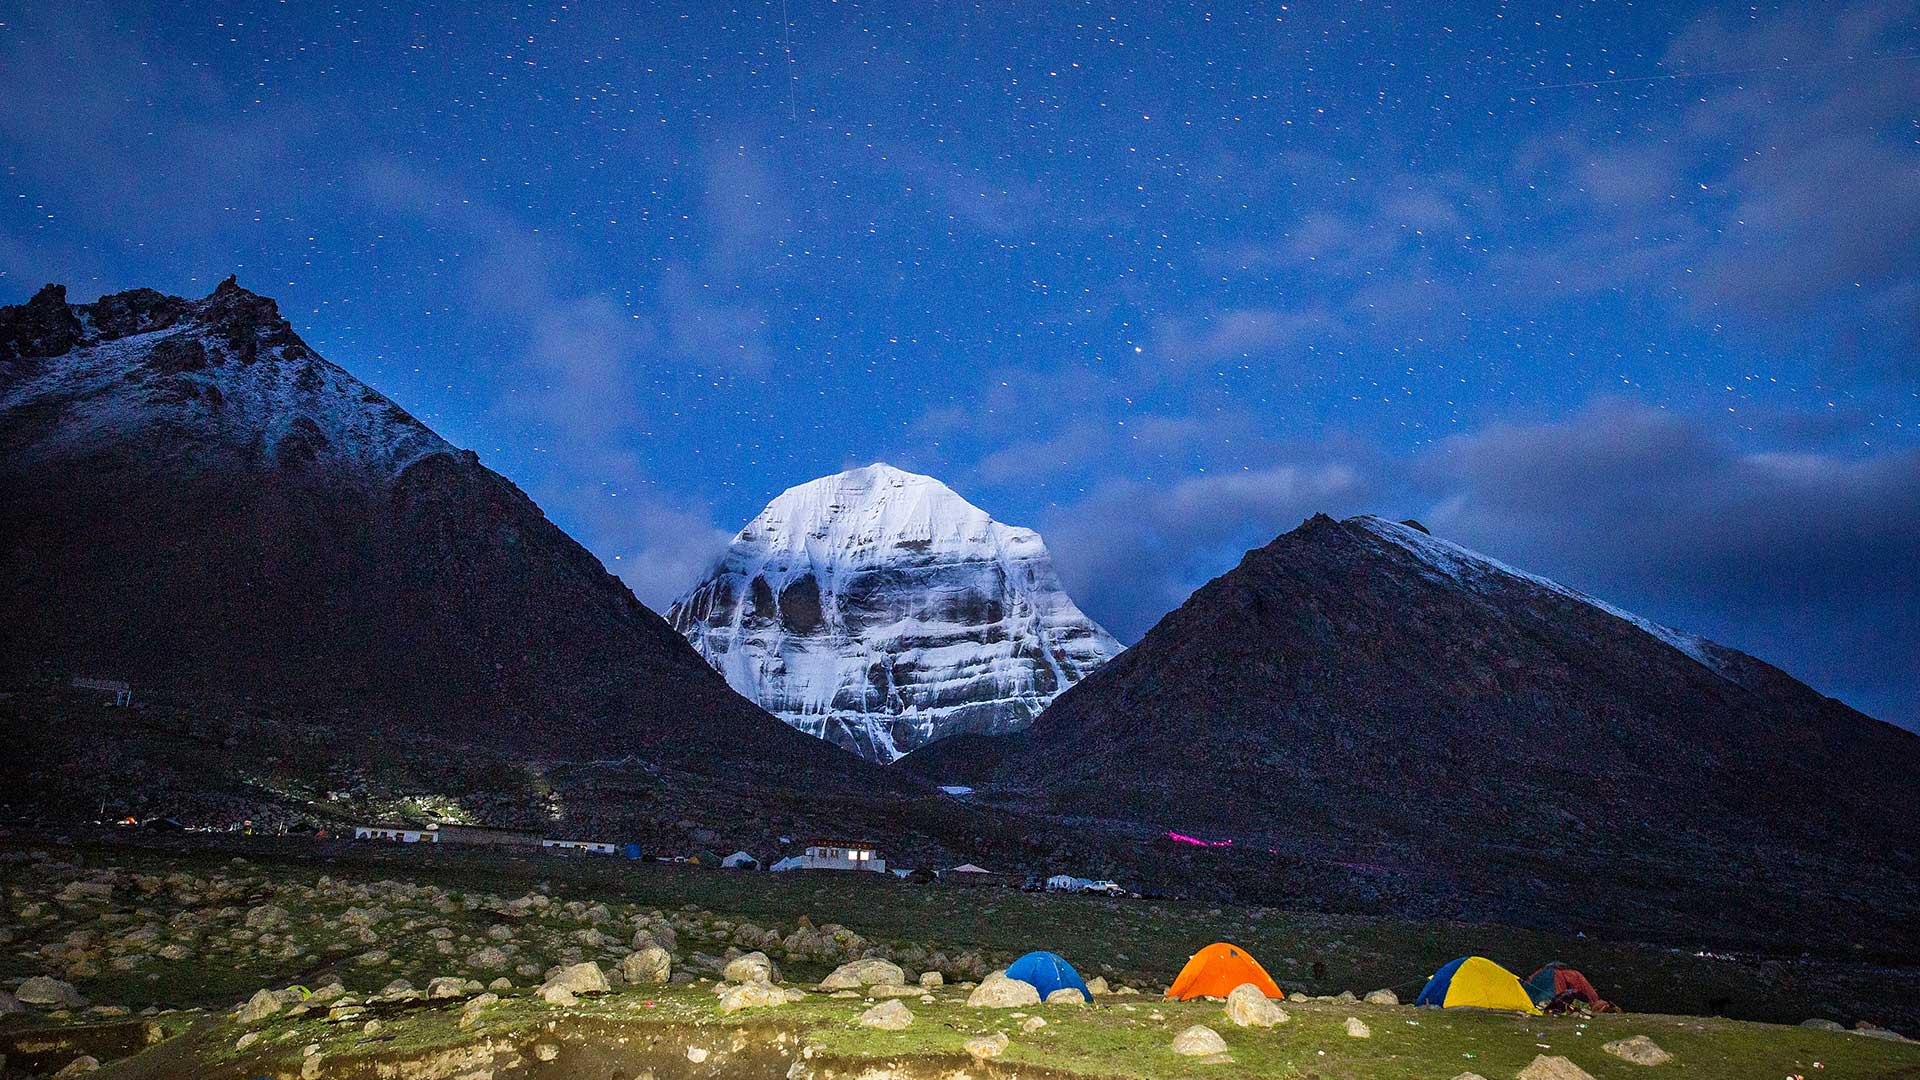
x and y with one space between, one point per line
1556 982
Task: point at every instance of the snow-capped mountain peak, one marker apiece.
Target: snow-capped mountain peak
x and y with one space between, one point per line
880 610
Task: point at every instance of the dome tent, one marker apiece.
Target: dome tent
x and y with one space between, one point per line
1558 985
1047 972
1214 972
1476 982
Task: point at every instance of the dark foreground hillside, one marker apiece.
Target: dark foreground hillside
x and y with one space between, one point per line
193 501
1362 707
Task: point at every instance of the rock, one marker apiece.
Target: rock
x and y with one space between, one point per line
1248 1006
650 966
501 983
50 993
872 972
488 958
753 995
1199 1041
889 1015
1382 997
85 1063
262 1004
310 1067
1553 1068
932 979
1638 1049
1066 995
696 1054
545 1051
1823 1025
371 1027
470 1012
1097 986
751 968
1875 1031
982 1047
1358 1030
1469 1076
584 978
447 986
246 1040
557 995
996 991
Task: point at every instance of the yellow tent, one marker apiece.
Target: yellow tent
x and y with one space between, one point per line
1476 982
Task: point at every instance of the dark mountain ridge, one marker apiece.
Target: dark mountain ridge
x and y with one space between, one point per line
193 500
1362 695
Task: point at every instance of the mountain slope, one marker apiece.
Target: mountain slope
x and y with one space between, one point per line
1361 694
193 500
879 610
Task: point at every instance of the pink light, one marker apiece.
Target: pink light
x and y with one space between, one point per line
1196 841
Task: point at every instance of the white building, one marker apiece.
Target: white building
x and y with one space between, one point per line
395 834
836 855
588 847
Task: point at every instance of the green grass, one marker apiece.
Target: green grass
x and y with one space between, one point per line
1117 1037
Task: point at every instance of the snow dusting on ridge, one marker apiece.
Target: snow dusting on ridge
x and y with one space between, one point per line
1472 569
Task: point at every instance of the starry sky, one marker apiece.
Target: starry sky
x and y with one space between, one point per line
1624 293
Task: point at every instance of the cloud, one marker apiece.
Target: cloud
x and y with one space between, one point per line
1784 198
581 360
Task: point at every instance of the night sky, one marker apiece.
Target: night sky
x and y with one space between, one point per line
1626 294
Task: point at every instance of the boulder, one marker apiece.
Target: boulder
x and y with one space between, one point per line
890 1015
1382 997
1358 1030
262 1004
1820 1024
50 993
470 1012
557 995
1199 1041
1638 1049
447 986
650 966
860 973
1066 995
488 958
1032 1024
932 979
997 991
85 1063
1249 1006
1543 1067
982 1047
751 968
1097 986
754 995
584 978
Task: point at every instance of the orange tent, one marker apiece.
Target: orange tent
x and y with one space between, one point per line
1214 972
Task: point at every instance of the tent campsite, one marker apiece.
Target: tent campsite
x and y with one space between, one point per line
1478 983
1047 972
1214 972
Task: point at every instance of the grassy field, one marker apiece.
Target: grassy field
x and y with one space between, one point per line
627 1032
365 915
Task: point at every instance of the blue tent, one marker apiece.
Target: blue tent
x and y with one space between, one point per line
1047 973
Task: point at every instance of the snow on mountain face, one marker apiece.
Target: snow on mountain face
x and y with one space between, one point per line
881 611
1474 570
226 370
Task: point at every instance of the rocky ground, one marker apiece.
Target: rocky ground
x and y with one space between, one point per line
166 963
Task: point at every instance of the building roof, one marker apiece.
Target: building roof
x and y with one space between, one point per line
843 843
